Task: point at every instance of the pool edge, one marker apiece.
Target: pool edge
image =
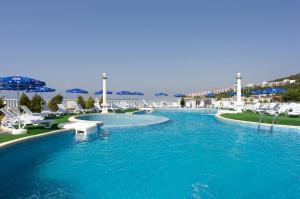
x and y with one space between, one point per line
218 115
24 139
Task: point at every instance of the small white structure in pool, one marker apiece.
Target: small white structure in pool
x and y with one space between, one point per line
122 120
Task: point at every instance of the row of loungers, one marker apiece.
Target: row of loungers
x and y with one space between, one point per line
15 120
292 109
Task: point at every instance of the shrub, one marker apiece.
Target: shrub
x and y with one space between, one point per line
90 102
100 101
182 102
35 104
54 101
80 100
1 105
1 102
24 100
291 96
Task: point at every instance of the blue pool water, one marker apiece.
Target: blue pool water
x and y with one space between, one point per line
191 156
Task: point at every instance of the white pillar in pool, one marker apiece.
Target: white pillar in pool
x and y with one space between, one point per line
104 102
239 93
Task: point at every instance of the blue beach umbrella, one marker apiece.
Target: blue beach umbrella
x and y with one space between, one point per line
77 91
137 93
267 91
210 95
280 90
179 95
257 92
124 93
232 94
19 83
161 94
42 89
101 92
10 88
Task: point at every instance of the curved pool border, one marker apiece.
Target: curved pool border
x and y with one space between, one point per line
23 139
75 119
264 126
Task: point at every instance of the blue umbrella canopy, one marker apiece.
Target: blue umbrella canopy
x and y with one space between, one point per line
124 93
42 89
210 95
280 90
137 93
21 82
267 91
101 92
161 94
12 88
275 90
255 92
231 94
179 95
77 91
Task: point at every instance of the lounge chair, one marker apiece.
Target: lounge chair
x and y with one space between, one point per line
295 110
145 104
123 105
255 107
78 109
16 112
97 107
272 109
115 107
284 109
17 122
46 110
61 110
155 105
175 105
28 111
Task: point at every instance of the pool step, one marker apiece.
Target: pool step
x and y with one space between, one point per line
79 127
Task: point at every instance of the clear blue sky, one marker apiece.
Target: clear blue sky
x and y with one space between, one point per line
155 45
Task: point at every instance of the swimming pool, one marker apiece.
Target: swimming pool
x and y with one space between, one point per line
194 155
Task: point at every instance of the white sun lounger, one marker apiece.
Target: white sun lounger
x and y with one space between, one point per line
295 110
97 107
29 112
79 109
284 109
15 122
61 110
46 110
123 105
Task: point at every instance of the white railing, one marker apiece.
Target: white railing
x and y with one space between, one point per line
70 103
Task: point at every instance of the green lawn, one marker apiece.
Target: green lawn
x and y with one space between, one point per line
34 130
254 117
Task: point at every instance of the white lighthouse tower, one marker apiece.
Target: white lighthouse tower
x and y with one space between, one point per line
239 93
104 94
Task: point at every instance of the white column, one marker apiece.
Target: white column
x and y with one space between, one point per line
239 93
104 102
